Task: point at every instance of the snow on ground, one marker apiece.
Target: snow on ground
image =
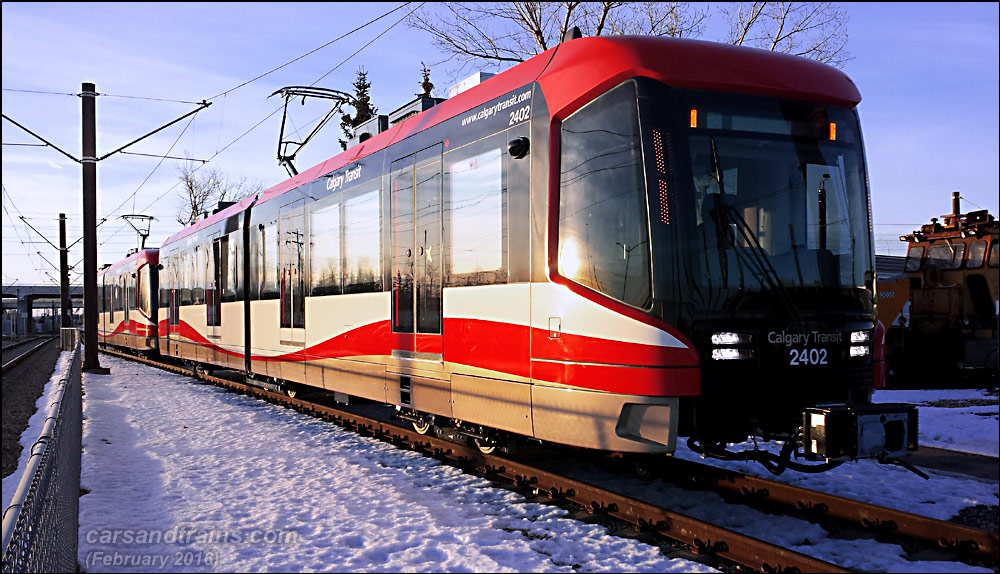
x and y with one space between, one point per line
187 477
965 425
973 429
34 429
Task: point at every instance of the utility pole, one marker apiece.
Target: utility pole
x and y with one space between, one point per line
88 96
64 300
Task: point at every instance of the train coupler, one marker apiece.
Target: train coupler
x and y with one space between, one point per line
843 432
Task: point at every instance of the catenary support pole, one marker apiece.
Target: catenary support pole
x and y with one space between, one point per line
66 307
89 160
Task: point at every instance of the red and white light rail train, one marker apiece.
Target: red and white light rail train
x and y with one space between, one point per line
620 241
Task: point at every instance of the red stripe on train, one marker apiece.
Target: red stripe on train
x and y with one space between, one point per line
574 360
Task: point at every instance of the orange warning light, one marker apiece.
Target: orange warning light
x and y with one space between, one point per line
833 132
694 118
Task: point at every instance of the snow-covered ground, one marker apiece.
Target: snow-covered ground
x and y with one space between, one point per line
182 474
188 477
953 419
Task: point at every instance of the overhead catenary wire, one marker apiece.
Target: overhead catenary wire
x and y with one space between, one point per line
223 94
292 61
9 217
261 122
269 116
135 193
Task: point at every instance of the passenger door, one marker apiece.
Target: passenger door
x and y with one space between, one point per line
292 253
213 286
415 213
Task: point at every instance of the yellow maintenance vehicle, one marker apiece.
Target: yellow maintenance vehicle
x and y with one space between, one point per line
941 312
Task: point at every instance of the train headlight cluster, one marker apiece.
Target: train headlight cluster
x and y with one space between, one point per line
859 343
727 346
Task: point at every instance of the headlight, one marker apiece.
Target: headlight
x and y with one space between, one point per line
859 337
724 338
859 350
730 354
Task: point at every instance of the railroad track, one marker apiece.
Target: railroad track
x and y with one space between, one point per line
32 345
888 524
702 538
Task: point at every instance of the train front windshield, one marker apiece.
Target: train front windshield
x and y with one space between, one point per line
776 202
756 207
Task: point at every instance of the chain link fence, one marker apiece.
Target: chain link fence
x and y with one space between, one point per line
40 527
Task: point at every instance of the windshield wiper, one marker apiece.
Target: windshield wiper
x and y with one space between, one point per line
763 262
725 211
720 234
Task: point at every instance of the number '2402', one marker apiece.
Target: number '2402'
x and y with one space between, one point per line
519 115
799 357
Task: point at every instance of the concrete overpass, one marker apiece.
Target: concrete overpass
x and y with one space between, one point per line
18 314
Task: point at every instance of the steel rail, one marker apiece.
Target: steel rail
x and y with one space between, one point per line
16 360
962 540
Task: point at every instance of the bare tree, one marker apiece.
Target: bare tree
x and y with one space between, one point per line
504 33
816 30
203 189
501 34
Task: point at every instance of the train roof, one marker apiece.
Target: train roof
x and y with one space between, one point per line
574 72
149 255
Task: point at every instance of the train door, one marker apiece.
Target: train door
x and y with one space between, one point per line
415 212
102 307
291 255
215 277
174 268
126 291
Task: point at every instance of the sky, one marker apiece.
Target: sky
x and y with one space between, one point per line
927 73
227 483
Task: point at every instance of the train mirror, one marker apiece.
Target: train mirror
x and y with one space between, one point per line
518 148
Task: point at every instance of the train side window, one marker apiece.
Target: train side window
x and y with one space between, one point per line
292 259
268 266
166 280
324 247
116 296
142 291
914 257
232 287
363 243
199 263
976 254
130 289
946 256
124 289
476 213
184 274
138 288
994 260
603 225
